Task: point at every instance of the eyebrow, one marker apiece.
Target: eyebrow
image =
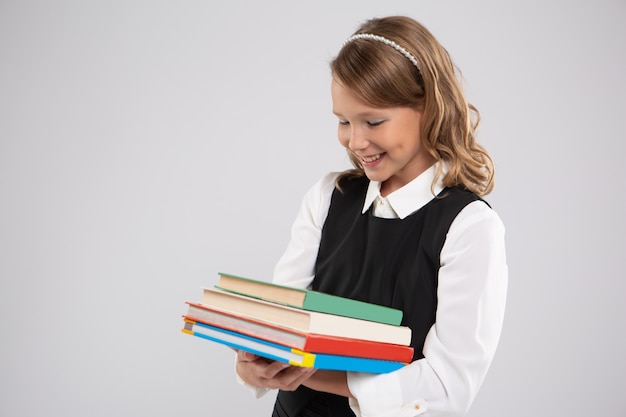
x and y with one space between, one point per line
365 114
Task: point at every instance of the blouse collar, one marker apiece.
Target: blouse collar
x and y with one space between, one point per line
410 197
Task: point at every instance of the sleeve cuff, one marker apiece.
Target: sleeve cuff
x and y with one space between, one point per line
381 396
256 391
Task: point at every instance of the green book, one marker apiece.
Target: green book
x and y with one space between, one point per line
308 299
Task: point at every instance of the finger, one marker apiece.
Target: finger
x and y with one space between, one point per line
259 371
272 369
289 378
244 356
302 376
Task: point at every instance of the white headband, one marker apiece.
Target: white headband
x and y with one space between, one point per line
387 42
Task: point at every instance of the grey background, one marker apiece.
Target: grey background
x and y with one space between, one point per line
146 145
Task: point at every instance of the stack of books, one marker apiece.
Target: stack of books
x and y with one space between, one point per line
301 327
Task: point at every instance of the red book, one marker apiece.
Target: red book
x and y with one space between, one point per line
309 342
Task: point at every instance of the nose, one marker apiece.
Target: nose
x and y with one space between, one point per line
358 139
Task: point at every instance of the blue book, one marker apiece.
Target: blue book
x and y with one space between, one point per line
287 354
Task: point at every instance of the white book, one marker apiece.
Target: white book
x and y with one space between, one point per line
306 321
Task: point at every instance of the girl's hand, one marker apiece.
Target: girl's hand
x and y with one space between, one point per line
265 373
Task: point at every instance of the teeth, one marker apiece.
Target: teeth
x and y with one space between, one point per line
371 158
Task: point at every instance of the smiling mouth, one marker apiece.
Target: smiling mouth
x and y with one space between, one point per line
370 159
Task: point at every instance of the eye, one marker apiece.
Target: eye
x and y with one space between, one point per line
344 122
373 123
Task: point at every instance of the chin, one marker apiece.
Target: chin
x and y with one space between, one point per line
374 176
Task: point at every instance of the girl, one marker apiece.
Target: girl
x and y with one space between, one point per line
405 228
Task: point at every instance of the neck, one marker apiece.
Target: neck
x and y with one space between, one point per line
397 181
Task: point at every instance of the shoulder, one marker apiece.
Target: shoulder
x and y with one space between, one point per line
470 219
456 196
475 243
323 188
479 220
316 201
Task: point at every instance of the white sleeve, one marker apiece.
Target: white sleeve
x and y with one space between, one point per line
296 266
461 344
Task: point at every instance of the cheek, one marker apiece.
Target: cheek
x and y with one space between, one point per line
343 138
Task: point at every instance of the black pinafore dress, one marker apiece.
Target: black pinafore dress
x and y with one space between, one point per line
392 262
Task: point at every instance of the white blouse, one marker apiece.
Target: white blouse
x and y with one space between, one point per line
471 295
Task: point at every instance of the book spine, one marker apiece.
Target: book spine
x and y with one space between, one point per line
326 303
353 364
358 348
349 327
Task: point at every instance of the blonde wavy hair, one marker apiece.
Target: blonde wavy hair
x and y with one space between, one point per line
382 77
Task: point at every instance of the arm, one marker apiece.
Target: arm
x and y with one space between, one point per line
461 344
297 264
335 382
295 268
